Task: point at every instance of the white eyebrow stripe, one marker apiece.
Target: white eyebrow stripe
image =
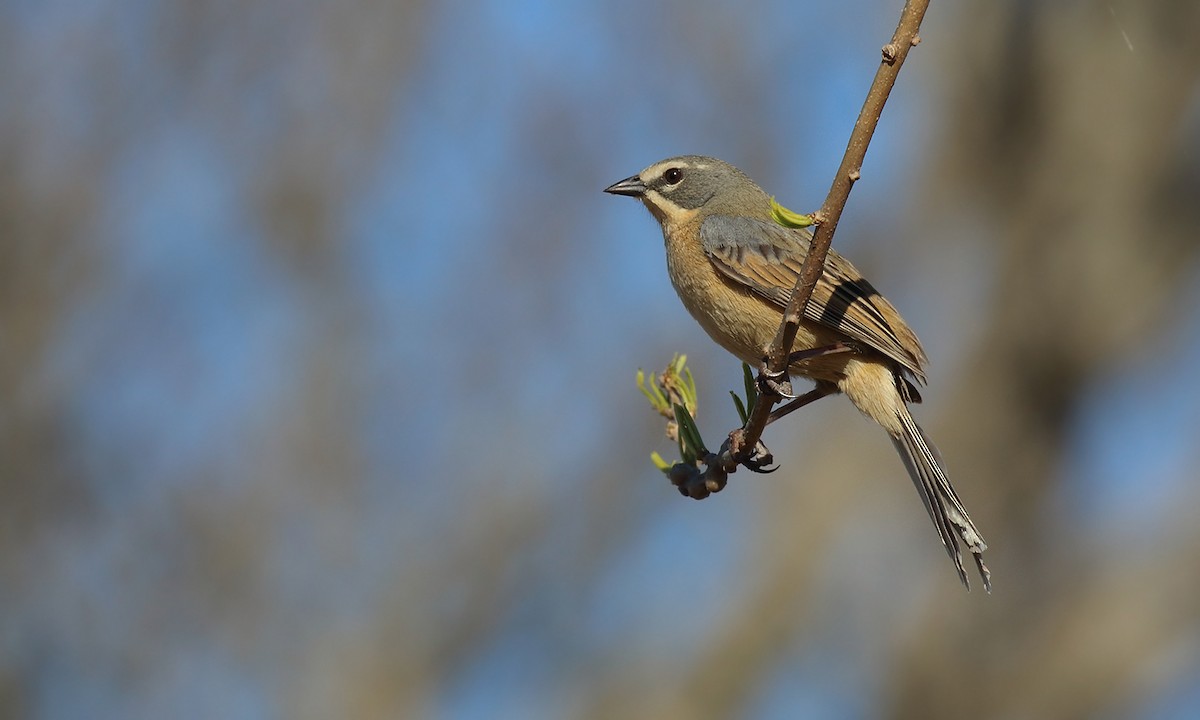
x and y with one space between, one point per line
658 168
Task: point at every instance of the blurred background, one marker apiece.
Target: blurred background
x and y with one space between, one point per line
318 339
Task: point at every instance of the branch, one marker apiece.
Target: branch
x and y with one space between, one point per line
743 446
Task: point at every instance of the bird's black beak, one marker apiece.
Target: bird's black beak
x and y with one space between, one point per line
631 186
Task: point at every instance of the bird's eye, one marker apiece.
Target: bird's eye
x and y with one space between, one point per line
673 176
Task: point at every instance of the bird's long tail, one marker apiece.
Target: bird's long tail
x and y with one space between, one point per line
924 464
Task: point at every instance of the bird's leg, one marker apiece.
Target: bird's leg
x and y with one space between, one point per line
779 384
834 349
774 387
821 390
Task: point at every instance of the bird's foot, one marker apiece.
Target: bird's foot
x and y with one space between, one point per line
775 385
758 459
778 385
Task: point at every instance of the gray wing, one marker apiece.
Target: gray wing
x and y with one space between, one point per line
766 258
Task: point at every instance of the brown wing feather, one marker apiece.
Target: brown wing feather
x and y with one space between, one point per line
766 258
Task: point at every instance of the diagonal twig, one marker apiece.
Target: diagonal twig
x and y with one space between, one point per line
742 443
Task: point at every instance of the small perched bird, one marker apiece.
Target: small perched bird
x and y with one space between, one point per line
734 268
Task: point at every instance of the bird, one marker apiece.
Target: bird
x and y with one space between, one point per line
734 267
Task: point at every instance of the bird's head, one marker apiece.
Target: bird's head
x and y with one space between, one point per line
680 188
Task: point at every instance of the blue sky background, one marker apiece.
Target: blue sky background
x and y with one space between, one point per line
329 327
